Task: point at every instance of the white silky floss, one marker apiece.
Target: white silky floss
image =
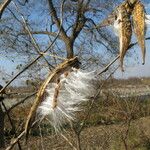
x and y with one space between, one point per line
147 20
76 88
116 26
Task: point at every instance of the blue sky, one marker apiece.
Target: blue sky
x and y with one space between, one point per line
135 69
133 66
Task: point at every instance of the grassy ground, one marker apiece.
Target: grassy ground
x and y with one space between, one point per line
113 124
104 137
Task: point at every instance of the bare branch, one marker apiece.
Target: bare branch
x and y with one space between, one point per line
36 46
106 22
80 20
29 65
130 46
56 19
78 132
3 6
66 39
74 148
21 102
15 141
11 123
110 64
133 44
95 97
12 144
43 32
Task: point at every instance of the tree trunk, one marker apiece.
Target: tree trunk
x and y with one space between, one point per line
2 116
69 48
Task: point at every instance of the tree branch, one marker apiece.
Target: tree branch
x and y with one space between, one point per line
20 102
80 20
107 67
15 141
43 32
12 125
35 44
3 5
57 20
133 44
30 64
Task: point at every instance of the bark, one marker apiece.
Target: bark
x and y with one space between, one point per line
67 40
69 48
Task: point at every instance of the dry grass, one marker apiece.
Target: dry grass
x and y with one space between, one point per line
102 137
104 129
113 124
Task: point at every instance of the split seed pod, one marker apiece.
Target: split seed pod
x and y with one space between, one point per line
55 74
125 32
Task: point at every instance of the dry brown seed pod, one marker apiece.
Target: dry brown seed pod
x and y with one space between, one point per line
139 25
53 76
128 6
125 32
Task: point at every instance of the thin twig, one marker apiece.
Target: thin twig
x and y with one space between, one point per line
41 137
15 141
97 29
56 72
95 97
54 56
68 141
11 123
36 46
133 44
60 69
110 64
21 101
78 132
12 144
29 65
124 138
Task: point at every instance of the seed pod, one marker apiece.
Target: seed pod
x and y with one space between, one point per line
139 25
127 5
124 31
